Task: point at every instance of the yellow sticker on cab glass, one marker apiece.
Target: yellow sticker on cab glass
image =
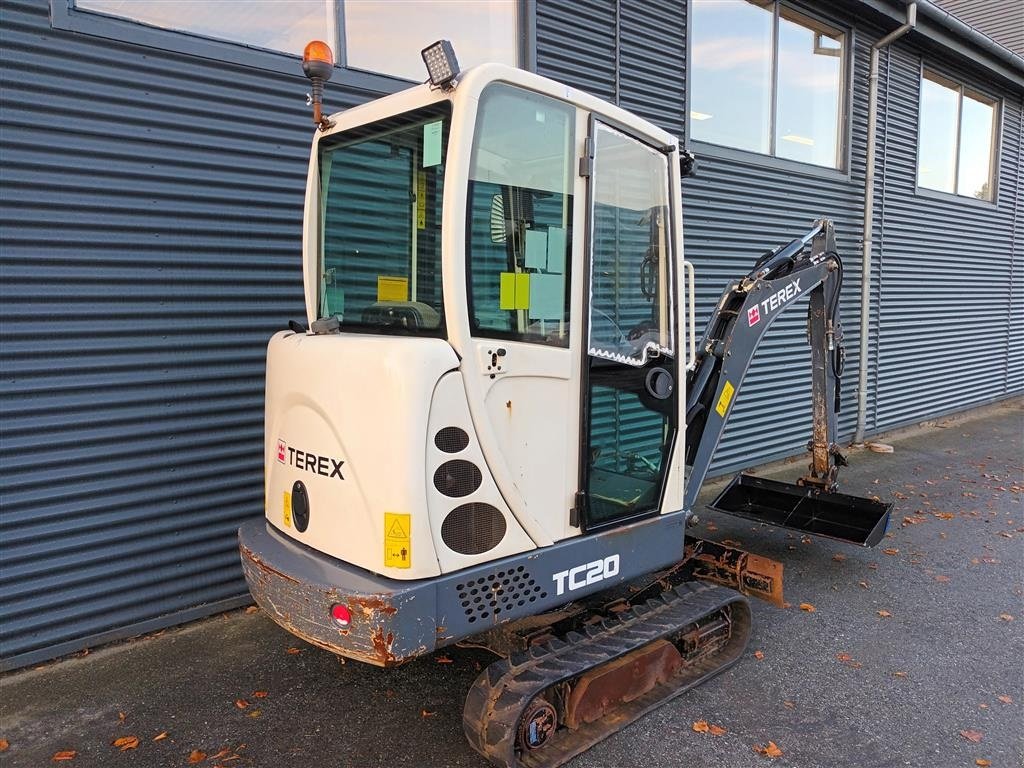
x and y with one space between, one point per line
397 540
392 288
421 200
287 509
725 399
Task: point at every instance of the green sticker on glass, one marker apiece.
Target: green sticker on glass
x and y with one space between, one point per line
514 291
432 144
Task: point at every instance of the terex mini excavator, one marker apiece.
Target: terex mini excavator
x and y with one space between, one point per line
497 420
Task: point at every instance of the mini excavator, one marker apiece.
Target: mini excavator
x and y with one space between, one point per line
495 422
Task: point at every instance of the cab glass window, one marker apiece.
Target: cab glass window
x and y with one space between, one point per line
382 187
519 228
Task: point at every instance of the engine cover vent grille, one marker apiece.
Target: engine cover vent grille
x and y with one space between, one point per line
458 477
451 440
470 529
498 593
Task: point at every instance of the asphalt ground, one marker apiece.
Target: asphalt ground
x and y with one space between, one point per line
844 685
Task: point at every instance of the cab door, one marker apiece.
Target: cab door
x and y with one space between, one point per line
630 371
524 300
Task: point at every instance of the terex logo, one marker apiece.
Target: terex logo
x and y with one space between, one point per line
753 315
776 300
588 573
311 462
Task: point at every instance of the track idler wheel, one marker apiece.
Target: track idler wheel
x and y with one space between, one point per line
538 724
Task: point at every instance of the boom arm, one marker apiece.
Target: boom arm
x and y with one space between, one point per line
742 317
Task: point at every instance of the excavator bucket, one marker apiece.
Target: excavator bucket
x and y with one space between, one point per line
808 510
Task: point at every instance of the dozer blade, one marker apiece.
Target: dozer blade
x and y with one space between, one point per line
808 510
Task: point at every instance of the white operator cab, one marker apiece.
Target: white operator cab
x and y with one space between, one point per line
485 344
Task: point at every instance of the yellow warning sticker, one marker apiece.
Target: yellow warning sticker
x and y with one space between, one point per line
421 200
287 509
725 399
397 540
392 288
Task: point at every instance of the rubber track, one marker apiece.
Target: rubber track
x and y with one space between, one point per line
499 696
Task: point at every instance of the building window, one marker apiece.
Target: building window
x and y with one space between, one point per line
381 37
767 79
387 37
278 25
956 139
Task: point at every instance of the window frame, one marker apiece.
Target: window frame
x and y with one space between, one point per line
844 124
961 87
65 16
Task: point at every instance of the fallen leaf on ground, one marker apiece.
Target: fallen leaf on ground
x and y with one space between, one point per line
716 730
427 713
983 762
256 713
944 515
1005 699
838 557
67 754
160 736
884 614
863 584
223 753
121 716
251 609
971 735
1005 617
5 744
787 605
789 704
807 607
196 756
126 742
891 551
293 650
758 655
844 657
443 660
769 750
701 726
241 703
899 674
259 694
983 706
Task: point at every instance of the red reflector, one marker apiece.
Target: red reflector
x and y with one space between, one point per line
341 615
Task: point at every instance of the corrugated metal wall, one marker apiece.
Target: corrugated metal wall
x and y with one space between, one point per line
149 250
946 269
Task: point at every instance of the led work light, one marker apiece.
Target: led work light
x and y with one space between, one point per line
442 66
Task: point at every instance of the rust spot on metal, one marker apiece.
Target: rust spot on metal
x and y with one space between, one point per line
267 569
601 690
731 567
382 646
374 603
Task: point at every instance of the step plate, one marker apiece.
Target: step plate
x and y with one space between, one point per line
852 519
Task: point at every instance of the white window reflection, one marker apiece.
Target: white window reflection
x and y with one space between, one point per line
388 36
278 25
956 137
977 123
734 100
731 82
384 36
809 91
